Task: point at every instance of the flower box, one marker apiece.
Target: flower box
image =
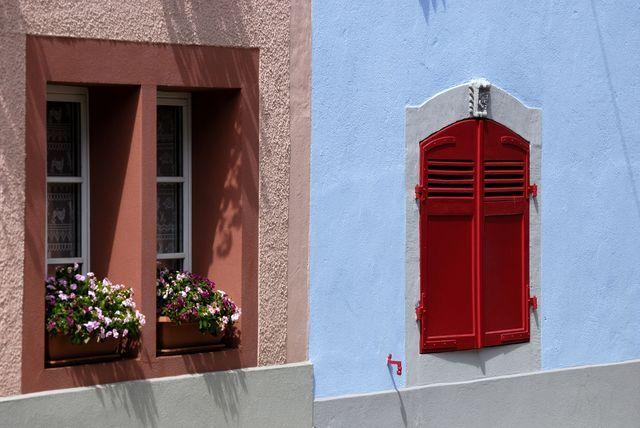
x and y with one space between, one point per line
61 351
193 315
89 320
175 338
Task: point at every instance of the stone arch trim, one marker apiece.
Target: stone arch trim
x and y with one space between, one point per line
477 98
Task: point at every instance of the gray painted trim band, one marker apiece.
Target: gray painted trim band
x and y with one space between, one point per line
434 114
604 395
279 396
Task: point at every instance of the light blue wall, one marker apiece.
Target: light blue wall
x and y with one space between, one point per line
580 63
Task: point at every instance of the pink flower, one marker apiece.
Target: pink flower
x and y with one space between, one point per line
92 325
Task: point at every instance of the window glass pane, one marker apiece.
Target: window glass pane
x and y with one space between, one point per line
63 139
171 264
63 220
169 233
169 134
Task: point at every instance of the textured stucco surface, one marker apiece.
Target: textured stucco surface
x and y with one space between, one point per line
12 111
578 62
298 255
591 396
252 23
276 396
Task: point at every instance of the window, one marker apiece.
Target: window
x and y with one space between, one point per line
174 180
474 237
118 114
67 177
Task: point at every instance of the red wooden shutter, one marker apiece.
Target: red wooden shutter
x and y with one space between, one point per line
505 236
447 221
474 237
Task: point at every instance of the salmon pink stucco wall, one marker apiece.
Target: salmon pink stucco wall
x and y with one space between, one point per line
280 30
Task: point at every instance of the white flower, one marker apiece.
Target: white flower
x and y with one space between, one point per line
140 318
187 289
235 317
115 334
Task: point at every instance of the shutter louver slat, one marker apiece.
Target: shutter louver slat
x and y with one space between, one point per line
504 179
450 178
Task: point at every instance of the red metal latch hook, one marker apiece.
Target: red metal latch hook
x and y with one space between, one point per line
398 363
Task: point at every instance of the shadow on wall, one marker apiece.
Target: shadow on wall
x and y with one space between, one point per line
429 5
214 395
138 398
189 22
616 110
135 398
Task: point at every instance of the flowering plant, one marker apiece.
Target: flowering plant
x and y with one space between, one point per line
84 307
185 297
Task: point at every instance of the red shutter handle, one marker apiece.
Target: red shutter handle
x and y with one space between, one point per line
533 302
397 363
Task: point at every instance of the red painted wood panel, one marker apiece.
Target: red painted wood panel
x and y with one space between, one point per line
505 264
474 237
448 221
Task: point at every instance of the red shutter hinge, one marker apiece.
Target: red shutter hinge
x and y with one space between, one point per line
533 302
533 190
419 312
421 192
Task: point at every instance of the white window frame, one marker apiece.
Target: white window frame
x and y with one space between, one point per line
79 95
183 100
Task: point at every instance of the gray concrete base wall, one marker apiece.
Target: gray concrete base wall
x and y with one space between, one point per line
276 396
589 396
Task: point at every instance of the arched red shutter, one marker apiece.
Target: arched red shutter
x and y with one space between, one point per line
448 179
474 237
505 236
